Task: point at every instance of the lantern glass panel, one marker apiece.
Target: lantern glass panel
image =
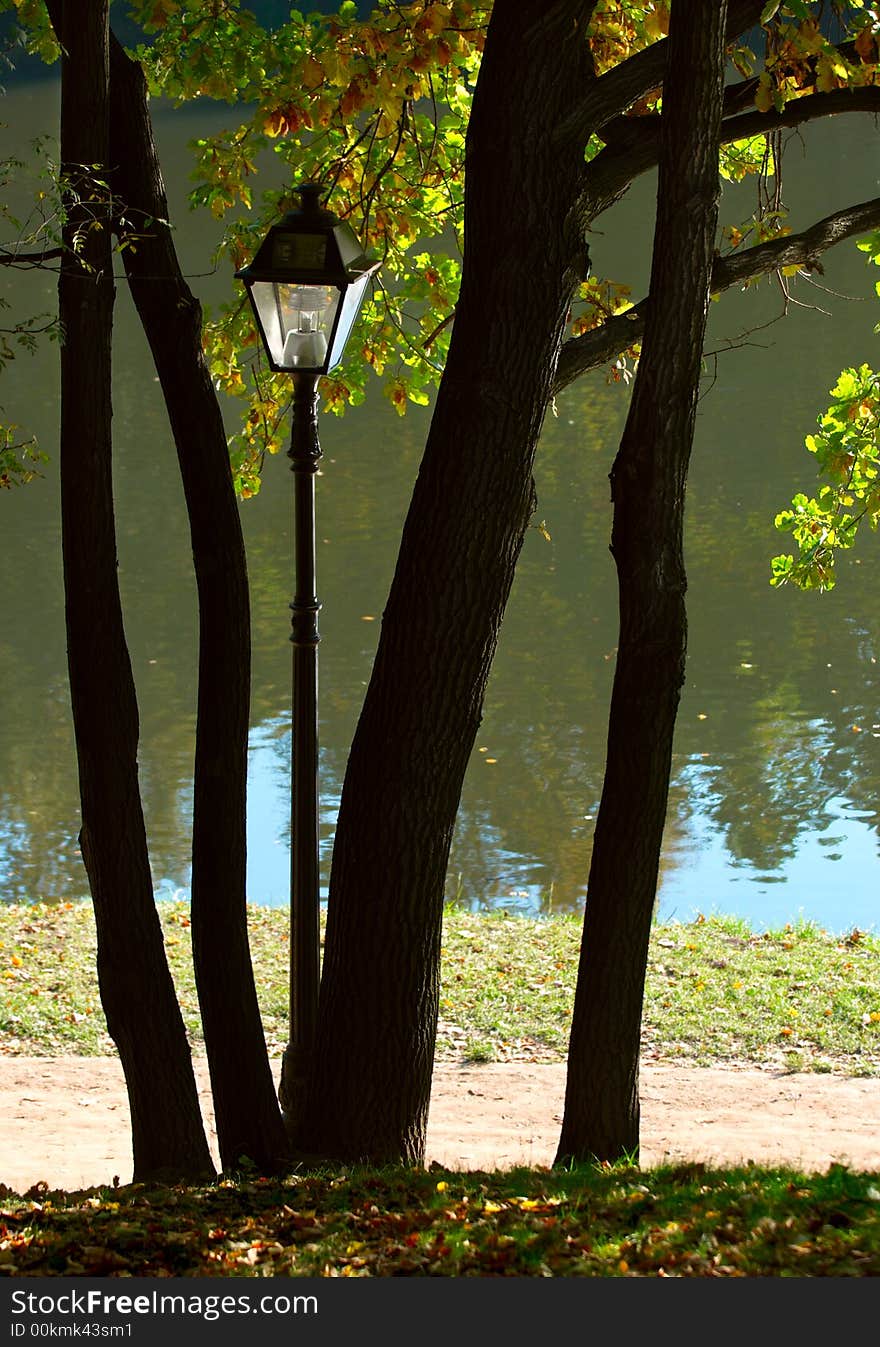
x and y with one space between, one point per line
351 303
306 317
296 321
263 297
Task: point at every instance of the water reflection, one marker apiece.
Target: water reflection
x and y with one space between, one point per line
774 797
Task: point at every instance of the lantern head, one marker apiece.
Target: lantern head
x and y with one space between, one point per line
306 285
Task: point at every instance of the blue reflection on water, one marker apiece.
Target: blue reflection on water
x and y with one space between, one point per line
807 885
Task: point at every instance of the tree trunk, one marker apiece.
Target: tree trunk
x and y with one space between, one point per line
369 1085
601 1118
137 993
248 1115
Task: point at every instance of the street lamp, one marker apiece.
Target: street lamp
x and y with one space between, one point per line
306 285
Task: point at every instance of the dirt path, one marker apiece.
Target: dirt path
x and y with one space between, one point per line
65 1120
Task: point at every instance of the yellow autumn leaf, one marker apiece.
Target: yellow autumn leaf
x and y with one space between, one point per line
390 100
313 73
336 70
657 22
810 39
829 74
764 94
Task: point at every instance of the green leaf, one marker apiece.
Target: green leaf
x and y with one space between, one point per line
781 568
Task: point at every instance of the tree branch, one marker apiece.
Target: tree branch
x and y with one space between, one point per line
795 249
619 88
863 99
612 171
10 258
595 348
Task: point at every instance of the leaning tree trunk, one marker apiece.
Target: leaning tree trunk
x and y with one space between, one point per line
248 1116
369 1086
601 1118
137 993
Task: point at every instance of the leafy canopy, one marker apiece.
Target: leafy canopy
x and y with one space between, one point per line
376 110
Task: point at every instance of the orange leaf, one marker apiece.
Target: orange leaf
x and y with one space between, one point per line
352 100
434 19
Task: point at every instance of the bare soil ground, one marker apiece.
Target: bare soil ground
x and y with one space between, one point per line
66 1122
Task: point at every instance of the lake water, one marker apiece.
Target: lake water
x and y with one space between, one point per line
774 802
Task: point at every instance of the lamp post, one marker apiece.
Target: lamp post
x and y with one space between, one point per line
306 284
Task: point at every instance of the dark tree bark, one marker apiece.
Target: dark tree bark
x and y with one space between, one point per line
137 993
248 1116
370 1081
601 1118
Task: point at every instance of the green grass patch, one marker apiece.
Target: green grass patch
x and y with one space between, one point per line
684 1221
716 992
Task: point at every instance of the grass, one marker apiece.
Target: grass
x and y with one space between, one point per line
716 993
686 1221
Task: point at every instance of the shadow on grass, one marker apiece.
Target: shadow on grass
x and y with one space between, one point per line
593 1221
